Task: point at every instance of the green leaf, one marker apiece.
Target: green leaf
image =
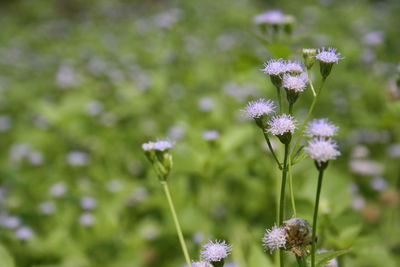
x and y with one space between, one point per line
259 258
6 260
323 258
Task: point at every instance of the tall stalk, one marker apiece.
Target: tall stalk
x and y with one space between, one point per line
314 225
177 225
282 197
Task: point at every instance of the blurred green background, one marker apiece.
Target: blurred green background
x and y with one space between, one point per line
84 83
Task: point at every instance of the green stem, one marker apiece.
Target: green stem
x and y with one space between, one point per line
177 225
309 113
278 91
314 225
290 108
311 83
291 186
272 150
282 197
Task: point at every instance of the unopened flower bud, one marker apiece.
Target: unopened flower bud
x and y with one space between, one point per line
309 57
288 24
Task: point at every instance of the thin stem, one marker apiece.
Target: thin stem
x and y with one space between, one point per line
290 108
291 186
278 91
311 83
177 225
271 149
282 197
314 226
300 261
309 113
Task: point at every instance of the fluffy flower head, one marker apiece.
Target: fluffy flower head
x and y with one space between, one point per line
328 55
274 238
275 67
294 66
282 124
296 83
255 109
201 264
160 145
215 251
322 150
321 128
270 17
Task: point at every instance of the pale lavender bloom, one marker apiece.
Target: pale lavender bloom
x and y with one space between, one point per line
46 208
35 158
88 203
321 128
294 66
379 184
86 219
198 237
274 238
66 77
215 251
24 233
360 152
394 151
282 124
94 108
328 55
258 108
168 19
373 38
322 150
162 145
366 167
210 135
5 123
176 132
275 67
10 222
58 189
201 264
114 186
270 17
296 83
148 146
77 158
353 188
358 203
206 104
19 151
150 232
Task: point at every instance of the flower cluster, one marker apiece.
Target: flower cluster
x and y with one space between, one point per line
158 154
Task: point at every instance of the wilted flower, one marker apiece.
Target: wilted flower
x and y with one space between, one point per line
298 233
258 108
282 124
322 150
274 238
321 128
215 251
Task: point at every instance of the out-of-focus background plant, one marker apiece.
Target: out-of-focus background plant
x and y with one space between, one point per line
84 83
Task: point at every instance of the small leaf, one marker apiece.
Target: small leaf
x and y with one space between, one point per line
323 258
